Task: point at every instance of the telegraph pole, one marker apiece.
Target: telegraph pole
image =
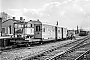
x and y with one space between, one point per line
77 29
56 30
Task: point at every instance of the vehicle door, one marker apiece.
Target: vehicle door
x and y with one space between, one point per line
38 31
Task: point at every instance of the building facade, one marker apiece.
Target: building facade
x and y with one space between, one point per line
7 26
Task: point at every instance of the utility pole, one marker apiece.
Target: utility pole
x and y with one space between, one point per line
77 29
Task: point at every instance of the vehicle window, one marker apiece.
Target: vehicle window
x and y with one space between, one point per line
22 25
31 30
37 28
15 25
18 31
43 29
19 25
58 31
31 25
25 25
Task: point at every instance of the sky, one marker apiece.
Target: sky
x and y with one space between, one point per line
68 13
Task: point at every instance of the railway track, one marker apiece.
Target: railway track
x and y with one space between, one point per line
18 53
24 53
53 53
74 53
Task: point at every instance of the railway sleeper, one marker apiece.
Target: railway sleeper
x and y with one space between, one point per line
82 56
39 55
68 51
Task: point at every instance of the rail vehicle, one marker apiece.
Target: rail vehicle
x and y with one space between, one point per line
36 31
83 33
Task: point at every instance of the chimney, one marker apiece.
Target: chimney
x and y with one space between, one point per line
24 19
13 18
37 19
57 23
30 20
21 18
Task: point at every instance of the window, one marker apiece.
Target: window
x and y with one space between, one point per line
31 30
58 31
22 25
18 31
3 30
25 25
37 28
53 30
15 25
31 25
43 29
28 25
19 25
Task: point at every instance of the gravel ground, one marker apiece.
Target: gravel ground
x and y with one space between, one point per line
11 55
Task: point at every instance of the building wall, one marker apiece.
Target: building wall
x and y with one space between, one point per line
0 26
6 25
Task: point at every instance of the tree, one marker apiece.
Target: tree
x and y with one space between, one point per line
5 16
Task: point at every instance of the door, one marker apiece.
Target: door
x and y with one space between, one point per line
56 33
38 31
9 30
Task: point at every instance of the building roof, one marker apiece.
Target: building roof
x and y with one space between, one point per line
12 20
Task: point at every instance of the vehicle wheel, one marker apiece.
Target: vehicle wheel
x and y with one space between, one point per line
41 42
27 44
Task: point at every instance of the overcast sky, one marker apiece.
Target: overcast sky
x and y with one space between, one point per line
69 13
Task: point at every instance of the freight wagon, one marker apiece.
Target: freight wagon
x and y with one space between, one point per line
83 33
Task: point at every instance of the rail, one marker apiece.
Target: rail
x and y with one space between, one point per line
67 51
49 50
82 55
